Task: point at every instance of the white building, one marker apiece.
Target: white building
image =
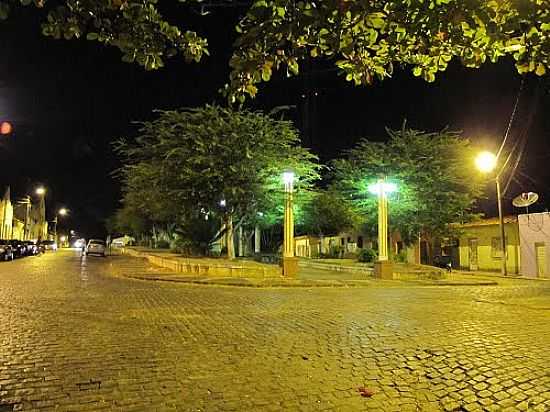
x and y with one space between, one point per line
534 234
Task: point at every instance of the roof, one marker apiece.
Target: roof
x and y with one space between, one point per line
489 221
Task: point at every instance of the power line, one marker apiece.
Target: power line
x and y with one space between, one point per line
525 134
511 117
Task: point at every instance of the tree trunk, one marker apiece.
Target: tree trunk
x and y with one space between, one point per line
257 239
229 237
241 241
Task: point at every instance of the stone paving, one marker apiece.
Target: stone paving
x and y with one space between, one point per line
76 338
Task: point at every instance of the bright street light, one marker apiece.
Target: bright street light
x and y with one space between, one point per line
63 211
40 191
387 187
288 178
486 162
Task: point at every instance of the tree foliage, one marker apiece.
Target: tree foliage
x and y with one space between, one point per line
367 39
437 184
212 162
328 213
364 39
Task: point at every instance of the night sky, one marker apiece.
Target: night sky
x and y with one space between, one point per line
68 100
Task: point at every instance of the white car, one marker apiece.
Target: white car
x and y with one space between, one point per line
95 247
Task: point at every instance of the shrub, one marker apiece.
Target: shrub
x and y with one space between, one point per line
401 257
367 255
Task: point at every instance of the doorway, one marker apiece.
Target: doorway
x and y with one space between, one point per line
540 253
472 245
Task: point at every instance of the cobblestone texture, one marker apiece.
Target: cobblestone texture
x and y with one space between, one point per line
75 338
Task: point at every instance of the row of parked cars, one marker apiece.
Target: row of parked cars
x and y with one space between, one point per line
12 249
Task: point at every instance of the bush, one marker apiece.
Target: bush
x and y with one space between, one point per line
162 244
367 255
401 257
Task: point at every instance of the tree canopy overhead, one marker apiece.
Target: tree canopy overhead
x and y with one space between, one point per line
437 184
364 39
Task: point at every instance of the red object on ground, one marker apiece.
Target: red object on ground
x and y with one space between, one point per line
365 392
5 128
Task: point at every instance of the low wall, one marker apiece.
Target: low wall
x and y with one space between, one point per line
336 268
206 267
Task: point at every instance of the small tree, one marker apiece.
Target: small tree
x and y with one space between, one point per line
328 213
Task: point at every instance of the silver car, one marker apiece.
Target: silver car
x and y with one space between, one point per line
95 247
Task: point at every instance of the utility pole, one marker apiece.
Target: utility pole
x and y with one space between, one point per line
503 268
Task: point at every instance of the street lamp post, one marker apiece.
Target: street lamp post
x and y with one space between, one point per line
383 268
486 162
290 262
41 192
60 212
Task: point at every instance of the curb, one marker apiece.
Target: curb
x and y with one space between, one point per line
286 284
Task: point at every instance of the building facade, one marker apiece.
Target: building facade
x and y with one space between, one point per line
534 235
480 246
22 220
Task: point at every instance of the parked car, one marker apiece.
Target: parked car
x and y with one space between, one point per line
49 245
95 247
18 247
31 248
6 250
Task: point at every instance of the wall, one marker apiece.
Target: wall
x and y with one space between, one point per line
6 219
534 228
485 233
205 266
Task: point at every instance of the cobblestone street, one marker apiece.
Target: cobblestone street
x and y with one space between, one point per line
77 336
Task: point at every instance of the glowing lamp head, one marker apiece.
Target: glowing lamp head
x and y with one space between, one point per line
223 203
288 178
62 211
486 162
40 191
386 187
5 128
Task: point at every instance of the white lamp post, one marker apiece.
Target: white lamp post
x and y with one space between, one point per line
290 263
383 267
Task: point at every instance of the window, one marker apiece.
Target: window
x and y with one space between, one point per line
360 242
342 241
496 247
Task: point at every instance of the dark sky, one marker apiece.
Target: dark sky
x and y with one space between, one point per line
68 100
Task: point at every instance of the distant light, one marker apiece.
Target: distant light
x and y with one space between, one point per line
63 211
63 238
5 128
260 214
223 203
387 187
40 191
486 161
288 178
72 232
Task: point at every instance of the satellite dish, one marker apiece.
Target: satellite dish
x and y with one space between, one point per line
525 199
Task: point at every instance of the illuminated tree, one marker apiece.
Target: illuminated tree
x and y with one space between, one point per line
213 162
436 185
